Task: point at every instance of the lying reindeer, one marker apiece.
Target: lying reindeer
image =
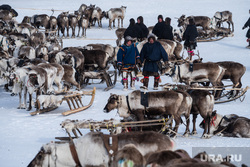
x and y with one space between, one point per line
229 125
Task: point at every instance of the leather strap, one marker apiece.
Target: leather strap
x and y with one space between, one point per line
74 153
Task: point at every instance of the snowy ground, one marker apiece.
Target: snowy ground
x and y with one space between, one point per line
22 135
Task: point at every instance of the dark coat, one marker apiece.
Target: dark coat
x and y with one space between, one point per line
163 31
152 53
127 55
144 30
169 32
134 31
190 36
247 24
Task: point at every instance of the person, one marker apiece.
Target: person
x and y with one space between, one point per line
190 35
133 30
169 30
127 58
161 30
151 54
247 24
143 28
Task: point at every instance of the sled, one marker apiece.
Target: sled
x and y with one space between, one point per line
110 77
74 101
225 96
214 34
113 126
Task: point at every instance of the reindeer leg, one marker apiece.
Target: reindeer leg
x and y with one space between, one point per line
114 23
118 23
25 98
187 131
30 102
194 126
20 100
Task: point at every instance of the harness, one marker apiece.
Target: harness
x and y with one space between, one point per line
74 153
220 19
111 145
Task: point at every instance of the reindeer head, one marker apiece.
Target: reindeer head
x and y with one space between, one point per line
40 157
113 103
169 68
181 21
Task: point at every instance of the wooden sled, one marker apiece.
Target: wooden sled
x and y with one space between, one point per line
74 101
113 126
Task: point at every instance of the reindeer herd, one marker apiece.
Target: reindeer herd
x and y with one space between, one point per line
32 61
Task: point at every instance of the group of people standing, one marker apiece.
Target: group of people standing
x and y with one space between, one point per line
129 59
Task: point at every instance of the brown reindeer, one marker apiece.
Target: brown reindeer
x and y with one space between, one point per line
119 33
233 71
116 13
203 104
83 24
220 17
97 15
42 20
73 21
63 23
159 103
202 21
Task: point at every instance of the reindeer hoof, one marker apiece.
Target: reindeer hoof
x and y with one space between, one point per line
186 134
205 136
194 133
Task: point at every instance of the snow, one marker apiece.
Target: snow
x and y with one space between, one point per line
22 135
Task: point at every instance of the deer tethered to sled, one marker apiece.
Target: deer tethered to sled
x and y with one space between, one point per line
46 103
200 75
209 29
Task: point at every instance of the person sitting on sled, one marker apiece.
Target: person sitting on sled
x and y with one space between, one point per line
247 24
127 58
190 36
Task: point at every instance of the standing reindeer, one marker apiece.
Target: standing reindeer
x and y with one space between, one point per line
220 17
114 13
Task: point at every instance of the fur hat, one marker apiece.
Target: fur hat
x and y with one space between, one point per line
160 16
128 38
151 36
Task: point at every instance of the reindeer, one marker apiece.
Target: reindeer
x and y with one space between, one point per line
83 24
91 150
42 52
114 13
202 21
63 23
73 21
37 38
172 103
97 15
220 17
82 8
8 14
42 20
119 33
